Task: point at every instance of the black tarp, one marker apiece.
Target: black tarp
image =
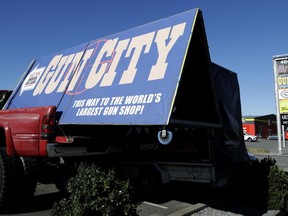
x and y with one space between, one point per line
231 145
195 102
209 96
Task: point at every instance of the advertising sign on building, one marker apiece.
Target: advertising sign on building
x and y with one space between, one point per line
284 119
281 93
281 70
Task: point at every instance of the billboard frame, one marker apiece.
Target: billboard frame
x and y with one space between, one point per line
280 77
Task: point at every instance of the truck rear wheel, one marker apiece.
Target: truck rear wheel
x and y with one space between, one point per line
11 178
30 176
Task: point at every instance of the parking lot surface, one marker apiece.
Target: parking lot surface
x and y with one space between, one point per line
269 148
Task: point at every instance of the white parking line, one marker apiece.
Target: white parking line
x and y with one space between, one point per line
156 205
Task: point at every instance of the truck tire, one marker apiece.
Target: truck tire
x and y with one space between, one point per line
30 167
11 178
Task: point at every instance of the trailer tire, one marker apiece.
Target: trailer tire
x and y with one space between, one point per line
61 182
11 176
165 140
149 181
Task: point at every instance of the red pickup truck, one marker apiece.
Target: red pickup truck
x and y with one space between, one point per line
23 132
26 131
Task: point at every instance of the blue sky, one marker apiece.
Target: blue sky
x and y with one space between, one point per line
243 35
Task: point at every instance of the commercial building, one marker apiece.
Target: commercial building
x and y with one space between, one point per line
261 126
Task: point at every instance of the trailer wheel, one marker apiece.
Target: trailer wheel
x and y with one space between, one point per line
11 176
30 176
64 175
165 138
149 181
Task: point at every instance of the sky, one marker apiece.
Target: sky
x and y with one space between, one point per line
243 35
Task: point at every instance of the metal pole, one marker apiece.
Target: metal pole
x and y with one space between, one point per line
279 133
277 109
283 136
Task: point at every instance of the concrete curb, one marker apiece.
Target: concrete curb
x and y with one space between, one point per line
171 208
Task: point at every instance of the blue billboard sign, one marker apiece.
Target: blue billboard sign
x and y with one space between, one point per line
126 78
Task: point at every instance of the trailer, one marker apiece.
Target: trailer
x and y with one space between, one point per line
147 101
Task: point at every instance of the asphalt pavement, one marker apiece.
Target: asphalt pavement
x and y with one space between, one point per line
270 148
41 204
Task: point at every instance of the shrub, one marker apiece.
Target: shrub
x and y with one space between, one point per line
94 192
269 184
250 183
278 189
